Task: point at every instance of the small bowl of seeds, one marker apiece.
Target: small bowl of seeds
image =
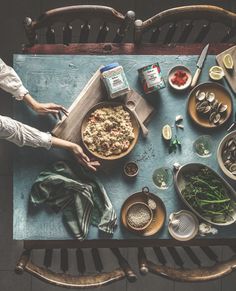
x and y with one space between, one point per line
139 216
131 169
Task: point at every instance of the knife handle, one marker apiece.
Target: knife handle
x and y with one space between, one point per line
195 78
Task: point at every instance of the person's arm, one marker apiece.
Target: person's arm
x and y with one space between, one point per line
11 83
77 151
24 135
43 108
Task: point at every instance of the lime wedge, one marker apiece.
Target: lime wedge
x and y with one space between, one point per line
228 61
167 132
216 73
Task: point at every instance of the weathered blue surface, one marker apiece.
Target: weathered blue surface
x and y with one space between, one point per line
59 79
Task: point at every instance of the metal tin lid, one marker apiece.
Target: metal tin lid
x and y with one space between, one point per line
183 225
109 67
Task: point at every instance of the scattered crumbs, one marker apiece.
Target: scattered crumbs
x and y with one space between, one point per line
148 153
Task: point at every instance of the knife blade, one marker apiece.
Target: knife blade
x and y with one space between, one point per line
200 63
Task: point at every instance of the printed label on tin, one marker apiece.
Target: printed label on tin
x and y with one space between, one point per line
152 77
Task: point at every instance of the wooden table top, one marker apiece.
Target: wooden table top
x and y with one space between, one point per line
42 75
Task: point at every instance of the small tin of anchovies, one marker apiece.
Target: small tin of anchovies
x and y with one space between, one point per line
151 78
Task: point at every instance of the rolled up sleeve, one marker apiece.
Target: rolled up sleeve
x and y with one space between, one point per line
22 134
10 81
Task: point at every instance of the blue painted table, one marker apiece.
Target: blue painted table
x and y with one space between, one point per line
59 78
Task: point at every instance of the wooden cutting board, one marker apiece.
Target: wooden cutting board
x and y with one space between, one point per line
230 75
94 92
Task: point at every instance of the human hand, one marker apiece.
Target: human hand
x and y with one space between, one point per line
47 108
83 159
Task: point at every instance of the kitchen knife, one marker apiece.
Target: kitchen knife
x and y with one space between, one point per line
200 63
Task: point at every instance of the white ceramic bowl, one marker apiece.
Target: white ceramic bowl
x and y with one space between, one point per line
171 75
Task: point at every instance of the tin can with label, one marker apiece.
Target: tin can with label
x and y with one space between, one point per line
151 78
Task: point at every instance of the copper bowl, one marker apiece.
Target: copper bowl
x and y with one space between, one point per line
135 210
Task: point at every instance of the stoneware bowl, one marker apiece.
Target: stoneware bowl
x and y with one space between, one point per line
220 152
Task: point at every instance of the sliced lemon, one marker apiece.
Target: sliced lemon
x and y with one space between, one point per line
228 61
167 132
216 73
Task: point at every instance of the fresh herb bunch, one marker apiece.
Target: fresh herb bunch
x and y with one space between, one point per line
206 194
175 143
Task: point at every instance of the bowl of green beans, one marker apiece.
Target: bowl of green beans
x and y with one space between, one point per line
206 193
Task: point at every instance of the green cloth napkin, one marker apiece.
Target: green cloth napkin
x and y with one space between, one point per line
78 194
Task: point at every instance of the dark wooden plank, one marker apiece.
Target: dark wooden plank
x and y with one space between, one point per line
64 260
176 256
84 32
106 243
155 35
67 34
50 35
160 256
203 33
125 48
48 258
97 260
170 33
186 32
80 261
192 256
103 31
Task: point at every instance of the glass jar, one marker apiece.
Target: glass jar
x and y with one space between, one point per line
115 80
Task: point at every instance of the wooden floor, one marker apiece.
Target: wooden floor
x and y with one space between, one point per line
12 13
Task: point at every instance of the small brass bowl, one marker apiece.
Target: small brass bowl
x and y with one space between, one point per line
135 213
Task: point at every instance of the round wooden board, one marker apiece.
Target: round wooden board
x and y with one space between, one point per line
133 121
159 215
221 94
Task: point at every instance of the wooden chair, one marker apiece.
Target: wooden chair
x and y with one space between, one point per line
180 271
84 13
81 280
188 24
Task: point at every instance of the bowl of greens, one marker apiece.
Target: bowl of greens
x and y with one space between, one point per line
206 193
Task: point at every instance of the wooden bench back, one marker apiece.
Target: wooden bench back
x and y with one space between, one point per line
179 24
86 14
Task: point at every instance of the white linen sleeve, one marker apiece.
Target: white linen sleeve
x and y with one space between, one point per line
10 81
22 134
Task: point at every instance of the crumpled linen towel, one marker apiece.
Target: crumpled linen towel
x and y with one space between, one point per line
78 194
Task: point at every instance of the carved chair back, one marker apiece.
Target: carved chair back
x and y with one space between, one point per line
187 24
187 264
59 274
109 21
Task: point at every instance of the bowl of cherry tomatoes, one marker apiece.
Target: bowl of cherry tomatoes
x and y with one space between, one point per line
179 77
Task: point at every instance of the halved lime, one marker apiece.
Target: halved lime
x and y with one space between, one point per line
216 73
228 61
167 132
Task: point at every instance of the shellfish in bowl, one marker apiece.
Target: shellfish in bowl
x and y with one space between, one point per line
210 105
226 155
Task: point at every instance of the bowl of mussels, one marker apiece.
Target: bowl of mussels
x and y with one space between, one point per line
210 105
226 155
